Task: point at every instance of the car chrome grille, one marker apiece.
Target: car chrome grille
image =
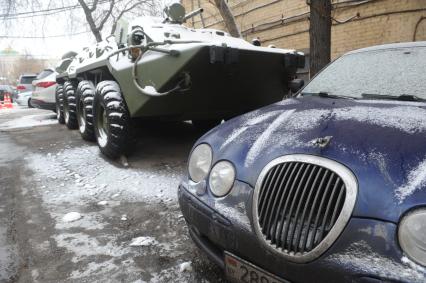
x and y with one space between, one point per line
298 204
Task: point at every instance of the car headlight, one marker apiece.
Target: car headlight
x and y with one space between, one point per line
222 178
200 162
412 235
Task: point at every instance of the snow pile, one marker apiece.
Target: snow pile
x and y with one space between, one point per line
185 267
29 121
71 216
416 180
143 242
103 203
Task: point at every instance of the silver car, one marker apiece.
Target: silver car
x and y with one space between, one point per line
24 99
25 83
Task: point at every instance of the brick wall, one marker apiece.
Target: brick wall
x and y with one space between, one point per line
285 23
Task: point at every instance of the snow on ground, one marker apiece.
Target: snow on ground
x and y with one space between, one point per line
18 110
83 175
80 179
29 121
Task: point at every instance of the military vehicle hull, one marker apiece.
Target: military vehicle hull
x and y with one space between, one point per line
225 82
166 71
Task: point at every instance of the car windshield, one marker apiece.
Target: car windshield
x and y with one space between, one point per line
27 79
386 74
44 74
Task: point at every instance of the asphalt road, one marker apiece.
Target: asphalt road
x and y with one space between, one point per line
129 226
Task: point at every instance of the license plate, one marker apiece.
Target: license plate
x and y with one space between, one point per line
239 270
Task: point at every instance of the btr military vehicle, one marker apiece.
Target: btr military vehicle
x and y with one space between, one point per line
161 69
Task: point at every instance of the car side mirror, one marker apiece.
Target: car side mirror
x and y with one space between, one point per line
295 85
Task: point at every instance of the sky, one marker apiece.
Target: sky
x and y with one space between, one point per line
58 23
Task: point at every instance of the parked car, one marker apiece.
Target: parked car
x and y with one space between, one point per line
24 99
329 186
25 83
43 95
5 89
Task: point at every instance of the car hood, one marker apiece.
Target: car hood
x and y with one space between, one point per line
382 142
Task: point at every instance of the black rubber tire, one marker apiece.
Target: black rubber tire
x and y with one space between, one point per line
29 104
111 120
205 125
69 105
59 100
84 101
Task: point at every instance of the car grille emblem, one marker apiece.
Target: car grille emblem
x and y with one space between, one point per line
322 142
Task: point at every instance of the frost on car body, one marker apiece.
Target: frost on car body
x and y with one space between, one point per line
330 186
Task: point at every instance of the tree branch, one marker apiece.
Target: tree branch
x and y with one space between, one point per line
108 14
125 10
95 4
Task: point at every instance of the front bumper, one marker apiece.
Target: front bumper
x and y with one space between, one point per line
43 105
366 251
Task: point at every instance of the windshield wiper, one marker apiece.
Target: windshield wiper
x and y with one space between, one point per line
326 95
403 97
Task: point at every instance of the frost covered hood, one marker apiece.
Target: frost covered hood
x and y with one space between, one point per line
382 142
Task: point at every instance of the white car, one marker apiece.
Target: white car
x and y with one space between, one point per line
44 90
24 99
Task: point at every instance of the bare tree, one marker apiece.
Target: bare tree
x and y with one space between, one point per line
319 35
97 16
228 17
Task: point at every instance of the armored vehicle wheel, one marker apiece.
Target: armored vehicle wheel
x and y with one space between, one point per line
85 96
111 119
70 113
205 125
59 100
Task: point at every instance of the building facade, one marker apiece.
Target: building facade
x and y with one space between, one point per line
285 23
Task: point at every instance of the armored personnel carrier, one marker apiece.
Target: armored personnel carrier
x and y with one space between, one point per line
159 68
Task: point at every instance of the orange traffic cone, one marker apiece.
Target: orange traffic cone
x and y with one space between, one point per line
7 102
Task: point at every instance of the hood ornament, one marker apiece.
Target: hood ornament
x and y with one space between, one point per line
321 142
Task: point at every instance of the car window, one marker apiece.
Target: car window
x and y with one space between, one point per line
44 74
27 80
393 72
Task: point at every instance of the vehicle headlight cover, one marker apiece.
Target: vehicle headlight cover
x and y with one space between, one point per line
222 178
200 162
412 235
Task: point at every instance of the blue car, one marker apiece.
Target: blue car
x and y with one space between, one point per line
328 186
